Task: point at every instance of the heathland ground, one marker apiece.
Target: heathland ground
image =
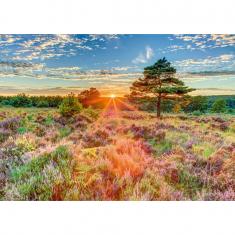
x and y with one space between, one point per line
115 154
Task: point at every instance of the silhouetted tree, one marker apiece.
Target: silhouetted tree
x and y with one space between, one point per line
87 97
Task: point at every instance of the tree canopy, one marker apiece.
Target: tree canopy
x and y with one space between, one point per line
88 97
160 81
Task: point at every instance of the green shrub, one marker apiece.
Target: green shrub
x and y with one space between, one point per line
189 183
21 100
197 103
5 103
161 147
230 111
65 131
219 106
21 130
42 104
70 106
196 113
91 113
49 120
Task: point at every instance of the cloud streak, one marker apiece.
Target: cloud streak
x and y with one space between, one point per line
143 58
217 63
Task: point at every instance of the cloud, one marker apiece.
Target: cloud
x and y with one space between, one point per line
44 47
202 41
218 63
143 58
49 46
103 37
124 68
12 69
223 40
205 77
212 91
149 53
212 73
6 40
72 73
23 65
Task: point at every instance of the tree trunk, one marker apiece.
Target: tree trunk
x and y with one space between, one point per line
159 106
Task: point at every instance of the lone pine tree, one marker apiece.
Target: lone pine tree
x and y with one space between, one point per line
160 81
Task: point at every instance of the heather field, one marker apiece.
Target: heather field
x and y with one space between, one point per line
111 154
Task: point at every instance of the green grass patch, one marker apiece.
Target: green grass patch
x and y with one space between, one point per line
161 147
37 179
65 131
204 150
188 183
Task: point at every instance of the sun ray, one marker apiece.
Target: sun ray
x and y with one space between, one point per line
132 108
94 101
102 115
115 108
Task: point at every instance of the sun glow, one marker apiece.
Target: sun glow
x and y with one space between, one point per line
112 96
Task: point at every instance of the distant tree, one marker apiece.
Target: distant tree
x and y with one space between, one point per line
21 100
160 81
54 101
42 104
87 97
197 103
70 106
219 106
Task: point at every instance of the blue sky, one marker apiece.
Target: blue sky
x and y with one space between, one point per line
59 64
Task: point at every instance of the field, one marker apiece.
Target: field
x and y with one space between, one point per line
115 155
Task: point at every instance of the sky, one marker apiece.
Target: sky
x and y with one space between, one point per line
60 64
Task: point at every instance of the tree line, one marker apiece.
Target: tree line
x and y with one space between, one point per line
86 98
194 104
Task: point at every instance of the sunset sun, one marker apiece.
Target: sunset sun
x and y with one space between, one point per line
112 96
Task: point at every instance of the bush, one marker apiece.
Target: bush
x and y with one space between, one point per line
49 120
196 113
42 104
87 97
65 131
219 106
5 103
197 103
230 111
70 106
91 113
21 100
